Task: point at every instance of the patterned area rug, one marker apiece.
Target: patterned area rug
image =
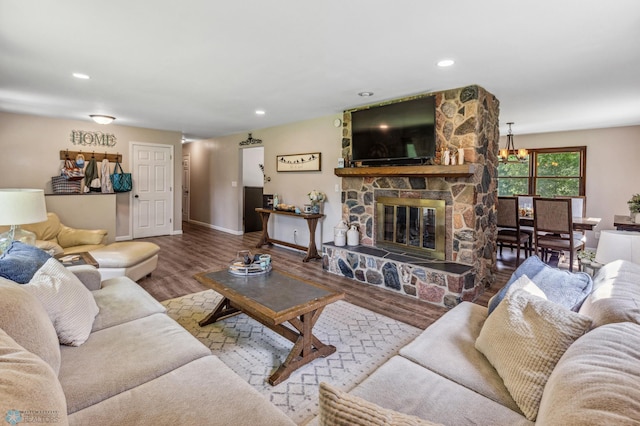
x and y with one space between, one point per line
364 340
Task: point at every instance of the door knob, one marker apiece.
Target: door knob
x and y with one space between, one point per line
136 196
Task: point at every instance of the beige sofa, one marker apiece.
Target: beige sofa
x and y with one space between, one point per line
57 238
137 367
442 377
133 259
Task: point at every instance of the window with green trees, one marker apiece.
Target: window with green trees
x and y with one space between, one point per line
549 172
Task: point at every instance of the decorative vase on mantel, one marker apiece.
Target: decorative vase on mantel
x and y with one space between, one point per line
635 217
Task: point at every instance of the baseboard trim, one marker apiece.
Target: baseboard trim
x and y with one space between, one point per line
217 228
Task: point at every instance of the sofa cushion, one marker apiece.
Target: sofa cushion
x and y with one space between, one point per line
29 387
23 317
121 357
616 294
202 392
566 288
596 380
70 306
47 230
121 300
340 408
70 237
20 262
524 339
447 347
404 386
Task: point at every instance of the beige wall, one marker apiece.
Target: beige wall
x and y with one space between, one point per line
613 172
216 163
30 147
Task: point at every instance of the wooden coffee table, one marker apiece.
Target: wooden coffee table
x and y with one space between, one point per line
274 299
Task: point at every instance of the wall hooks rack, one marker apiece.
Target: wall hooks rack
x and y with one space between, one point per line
65 153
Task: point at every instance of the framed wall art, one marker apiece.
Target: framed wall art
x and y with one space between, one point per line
298 162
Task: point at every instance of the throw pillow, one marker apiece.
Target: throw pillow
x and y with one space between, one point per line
524 339
69 304
24 318
568 289
338 408
29 390
20 261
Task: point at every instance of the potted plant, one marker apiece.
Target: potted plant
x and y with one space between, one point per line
634 208
316 198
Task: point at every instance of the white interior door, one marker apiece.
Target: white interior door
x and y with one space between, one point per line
152 190
186 163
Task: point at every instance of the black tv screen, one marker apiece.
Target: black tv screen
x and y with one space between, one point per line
396 133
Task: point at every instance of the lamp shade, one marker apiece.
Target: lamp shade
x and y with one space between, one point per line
614 245
20 206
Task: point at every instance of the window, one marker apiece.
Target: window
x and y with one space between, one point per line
549 172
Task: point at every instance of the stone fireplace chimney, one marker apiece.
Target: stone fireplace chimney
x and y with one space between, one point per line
465 118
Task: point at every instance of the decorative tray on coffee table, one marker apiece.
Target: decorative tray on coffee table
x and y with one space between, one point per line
239 268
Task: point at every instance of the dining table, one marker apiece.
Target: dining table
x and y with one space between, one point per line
579 223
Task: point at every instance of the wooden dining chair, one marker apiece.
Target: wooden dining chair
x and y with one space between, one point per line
509 233
578 209
553 228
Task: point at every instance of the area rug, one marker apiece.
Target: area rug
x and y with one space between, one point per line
363 339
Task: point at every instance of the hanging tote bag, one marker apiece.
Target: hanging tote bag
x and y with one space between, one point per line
71 171
120 180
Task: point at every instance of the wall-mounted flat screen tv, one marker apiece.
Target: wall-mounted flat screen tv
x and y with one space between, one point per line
396 133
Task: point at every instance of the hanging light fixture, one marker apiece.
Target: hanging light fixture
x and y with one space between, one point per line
102 119
521 154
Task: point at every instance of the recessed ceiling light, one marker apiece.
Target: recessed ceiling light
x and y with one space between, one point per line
384 126
446 63
81 76
260 112
365 94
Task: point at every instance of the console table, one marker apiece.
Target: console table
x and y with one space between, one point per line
624 223
312 222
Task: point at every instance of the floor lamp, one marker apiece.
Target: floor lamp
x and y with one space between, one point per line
19 207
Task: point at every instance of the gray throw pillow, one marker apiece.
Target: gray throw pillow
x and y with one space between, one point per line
565 288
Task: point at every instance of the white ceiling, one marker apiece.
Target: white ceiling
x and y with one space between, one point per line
202 67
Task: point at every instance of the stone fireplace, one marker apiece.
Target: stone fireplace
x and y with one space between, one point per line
442 268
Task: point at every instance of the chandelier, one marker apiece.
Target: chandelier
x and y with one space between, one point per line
510 150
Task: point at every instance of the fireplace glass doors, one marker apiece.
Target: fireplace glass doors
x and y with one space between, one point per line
412 225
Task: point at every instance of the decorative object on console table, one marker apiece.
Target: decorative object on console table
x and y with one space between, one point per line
298 162
316 198
634 208
20 207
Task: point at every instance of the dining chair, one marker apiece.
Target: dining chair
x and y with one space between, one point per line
525 201
553 228
509 233
578 209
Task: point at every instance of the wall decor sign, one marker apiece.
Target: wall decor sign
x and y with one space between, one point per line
80 137
298 162
250 141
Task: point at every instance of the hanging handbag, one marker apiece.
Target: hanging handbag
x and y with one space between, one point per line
71 171
120 180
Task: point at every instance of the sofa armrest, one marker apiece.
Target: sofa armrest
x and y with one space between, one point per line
69 237
89 276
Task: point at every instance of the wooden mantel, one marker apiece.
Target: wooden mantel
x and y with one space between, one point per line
463 170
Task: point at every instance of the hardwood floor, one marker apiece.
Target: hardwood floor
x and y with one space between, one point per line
201 249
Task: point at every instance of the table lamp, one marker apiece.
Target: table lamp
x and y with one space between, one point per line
19 207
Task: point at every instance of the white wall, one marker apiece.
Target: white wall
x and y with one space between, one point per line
613 168
215 163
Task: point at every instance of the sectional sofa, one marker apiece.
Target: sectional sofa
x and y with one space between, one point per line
529 361
122 361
